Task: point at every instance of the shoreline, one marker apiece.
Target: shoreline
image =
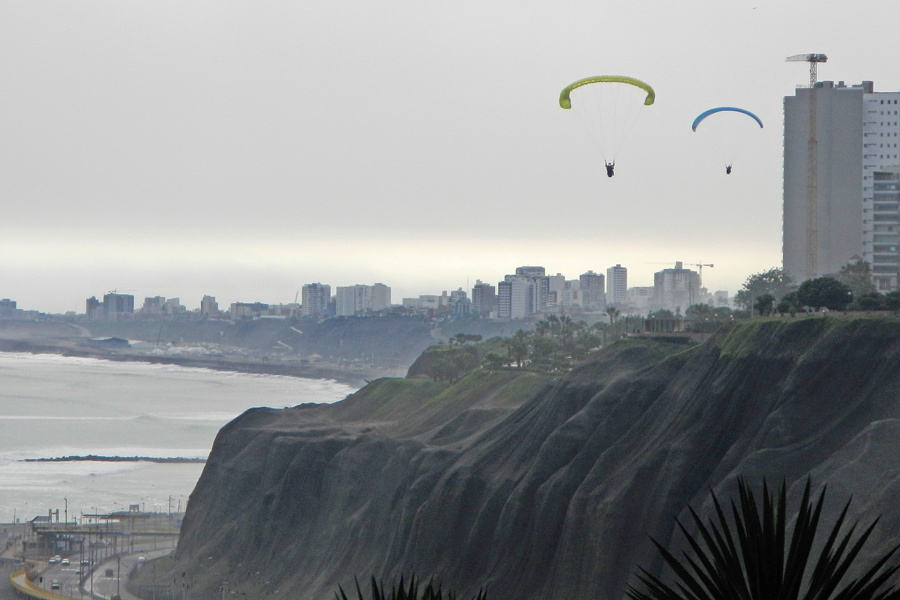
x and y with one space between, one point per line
98 458
263 365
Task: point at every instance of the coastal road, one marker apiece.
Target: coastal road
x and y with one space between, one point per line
109 578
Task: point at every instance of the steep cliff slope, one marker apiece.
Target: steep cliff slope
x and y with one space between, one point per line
546 489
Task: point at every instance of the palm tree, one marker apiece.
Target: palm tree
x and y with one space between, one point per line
754 564
518 347
554 325
613 313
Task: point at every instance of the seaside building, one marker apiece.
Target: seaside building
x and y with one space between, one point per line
840 150
248 310
93 308
360 299
315 300
209 308
7 308
380 297
154 306
118 306
351 300
617 285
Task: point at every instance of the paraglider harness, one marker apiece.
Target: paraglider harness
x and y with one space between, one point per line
728 169
609 168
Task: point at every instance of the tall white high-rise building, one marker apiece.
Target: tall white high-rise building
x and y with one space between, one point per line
380 297
515 297
315 300
833 213
617 285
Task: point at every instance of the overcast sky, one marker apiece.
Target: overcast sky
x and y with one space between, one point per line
242 149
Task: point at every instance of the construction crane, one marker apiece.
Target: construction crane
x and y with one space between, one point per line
812 167
700 270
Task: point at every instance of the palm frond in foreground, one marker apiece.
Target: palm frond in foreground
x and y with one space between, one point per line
399 591
751 559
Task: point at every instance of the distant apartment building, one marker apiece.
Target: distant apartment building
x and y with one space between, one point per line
426 302
460 304
351 300
93 309
7 308
570 296
484 299
720 298
355 300
118 306
209 308
248 310
515 297
617 285
540 287
315 300
175 307
564 294
158 306
380 297
593 294
841 151
639 298
155 306
885 260
675 289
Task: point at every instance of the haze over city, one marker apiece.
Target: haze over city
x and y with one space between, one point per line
191 148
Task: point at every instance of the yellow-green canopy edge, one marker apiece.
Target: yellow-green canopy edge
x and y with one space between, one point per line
564 101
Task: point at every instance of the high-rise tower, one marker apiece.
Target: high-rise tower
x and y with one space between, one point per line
856 134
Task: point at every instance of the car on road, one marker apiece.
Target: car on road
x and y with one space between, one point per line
64 561
85 562
54 585
53 559
141 559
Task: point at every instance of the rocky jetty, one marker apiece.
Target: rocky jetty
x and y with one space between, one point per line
547 489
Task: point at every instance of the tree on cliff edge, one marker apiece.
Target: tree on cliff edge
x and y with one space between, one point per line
825 292
755 564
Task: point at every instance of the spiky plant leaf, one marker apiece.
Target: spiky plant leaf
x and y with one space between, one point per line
405 591
749 557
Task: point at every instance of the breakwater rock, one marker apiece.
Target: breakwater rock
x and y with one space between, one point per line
547 489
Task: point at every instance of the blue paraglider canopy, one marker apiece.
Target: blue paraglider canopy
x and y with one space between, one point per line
712 111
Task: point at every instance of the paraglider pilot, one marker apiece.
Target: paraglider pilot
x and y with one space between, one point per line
611 166
728 169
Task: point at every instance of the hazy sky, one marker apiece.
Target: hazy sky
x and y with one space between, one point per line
242 149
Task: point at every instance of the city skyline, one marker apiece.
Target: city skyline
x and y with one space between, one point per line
189 148
159 304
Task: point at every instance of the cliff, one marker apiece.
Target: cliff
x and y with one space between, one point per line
549 489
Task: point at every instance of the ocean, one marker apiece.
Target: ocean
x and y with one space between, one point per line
53 406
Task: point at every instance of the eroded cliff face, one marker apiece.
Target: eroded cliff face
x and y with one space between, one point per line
547 489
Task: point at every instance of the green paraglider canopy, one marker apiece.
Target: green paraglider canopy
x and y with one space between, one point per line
566 103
